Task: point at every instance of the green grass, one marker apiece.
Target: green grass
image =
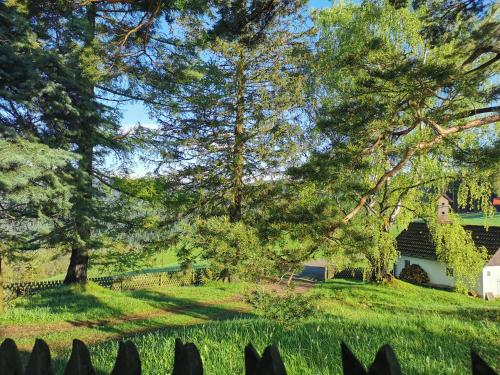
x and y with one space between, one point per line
480 219
94 314
430 330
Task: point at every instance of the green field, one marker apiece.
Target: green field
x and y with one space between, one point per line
430 330
480 219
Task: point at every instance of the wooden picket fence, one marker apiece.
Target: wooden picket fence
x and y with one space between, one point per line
173 277
187 361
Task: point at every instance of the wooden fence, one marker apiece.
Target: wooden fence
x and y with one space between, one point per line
187 361
123 282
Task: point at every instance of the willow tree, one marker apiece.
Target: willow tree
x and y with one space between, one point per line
401 106
232 117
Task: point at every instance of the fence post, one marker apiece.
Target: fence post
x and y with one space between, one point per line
161 280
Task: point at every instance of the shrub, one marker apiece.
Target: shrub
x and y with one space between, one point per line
414 274
286 308
229 249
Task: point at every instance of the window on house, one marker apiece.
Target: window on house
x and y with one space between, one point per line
407 263
487 273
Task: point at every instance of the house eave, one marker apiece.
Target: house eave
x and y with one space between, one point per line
417 255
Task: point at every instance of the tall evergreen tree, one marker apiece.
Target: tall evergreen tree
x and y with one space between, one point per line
233 117
71 61
34 198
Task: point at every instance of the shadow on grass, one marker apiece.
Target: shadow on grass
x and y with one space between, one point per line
73 299
110 323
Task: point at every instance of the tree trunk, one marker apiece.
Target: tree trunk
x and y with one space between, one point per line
78 264
83 205
239 142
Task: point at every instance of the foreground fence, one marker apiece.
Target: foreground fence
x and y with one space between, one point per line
174 277
187 361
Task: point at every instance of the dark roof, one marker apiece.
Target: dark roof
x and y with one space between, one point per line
417 241
447 197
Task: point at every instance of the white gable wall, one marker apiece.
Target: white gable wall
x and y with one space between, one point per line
437 273
491 280
435 270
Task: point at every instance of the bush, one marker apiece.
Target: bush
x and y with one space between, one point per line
229 249
414 274
286 308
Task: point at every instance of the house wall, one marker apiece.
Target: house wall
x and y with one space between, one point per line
435 270
437 273
491 280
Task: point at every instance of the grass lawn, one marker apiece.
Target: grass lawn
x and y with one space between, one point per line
430 330
479 219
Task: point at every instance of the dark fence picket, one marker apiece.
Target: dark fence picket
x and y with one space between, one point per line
350 364
385 363
10 360
127 360
479 366
187 361
269 364
79 362
40 362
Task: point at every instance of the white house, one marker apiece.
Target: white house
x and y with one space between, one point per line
416 246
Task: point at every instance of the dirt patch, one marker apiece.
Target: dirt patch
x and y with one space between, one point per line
297 286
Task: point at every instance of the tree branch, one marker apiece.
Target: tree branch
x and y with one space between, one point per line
478 52
410 152
479 111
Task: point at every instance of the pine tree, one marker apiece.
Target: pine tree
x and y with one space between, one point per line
34 197
233 116
69 115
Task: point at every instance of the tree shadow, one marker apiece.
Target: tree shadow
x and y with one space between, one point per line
167 312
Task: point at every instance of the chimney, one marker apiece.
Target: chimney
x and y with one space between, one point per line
443 209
